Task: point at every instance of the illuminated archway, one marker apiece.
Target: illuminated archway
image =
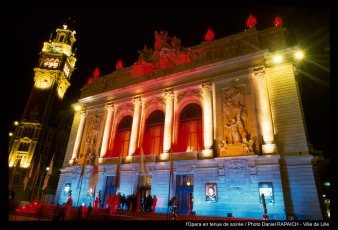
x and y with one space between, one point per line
190 129
153 133
122 137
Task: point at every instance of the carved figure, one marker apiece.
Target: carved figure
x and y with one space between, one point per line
222 146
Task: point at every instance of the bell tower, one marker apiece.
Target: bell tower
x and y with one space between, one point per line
51 76
32 144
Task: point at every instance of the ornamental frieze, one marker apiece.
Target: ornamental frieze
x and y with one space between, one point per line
168 56
125 107
153 101
189 93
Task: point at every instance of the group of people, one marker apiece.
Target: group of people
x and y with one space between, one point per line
148 203
61 213
172 203
132 203
85 211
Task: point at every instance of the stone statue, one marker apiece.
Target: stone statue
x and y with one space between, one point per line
222 146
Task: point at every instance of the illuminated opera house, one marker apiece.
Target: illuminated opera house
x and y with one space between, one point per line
224 115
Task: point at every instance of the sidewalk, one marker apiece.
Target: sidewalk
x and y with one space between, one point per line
102 215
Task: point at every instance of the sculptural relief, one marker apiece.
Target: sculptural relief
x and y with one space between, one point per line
237 139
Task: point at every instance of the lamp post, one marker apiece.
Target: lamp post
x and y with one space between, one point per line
171 179
265 214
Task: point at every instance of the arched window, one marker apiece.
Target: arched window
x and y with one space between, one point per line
190 129
122 137
153 138
61 38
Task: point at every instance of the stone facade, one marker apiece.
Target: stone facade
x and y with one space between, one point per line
225 116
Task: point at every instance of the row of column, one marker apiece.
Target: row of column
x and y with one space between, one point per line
264 117
168 124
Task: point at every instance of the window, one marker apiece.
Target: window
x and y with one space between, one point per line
28 132
122 137
18 159
190 130
153 138
56 63
51 63
61 38
66 70
45 64
23 147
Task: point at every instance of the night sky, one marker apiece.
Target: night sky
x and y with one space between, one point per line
106 35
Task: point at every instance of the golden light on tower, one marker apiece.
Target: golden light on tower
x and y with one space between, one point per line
277 59
42 81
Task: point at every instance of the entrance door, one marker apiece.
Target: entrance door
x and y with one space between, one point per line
109 190
144 190
144 185
184 186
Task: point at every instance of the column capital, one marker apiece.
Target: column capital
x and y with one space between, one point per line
137 100
110 107
169 94
258 72
207 85
83 114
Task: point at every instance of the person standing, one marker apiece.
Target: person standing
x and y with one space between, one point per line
89 209
63 212
57 213
69 205
83 212
190 203
154 204
96 203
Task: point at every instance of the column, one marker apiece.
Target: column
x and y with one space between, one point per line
107 129
135 125
264 110
168 123
78 136
207 120
140 137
